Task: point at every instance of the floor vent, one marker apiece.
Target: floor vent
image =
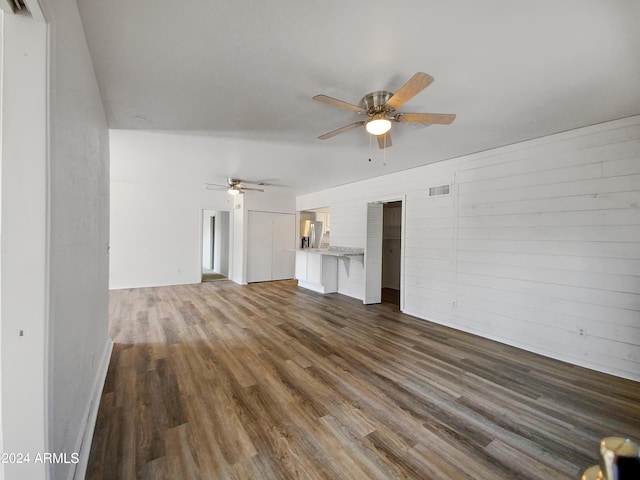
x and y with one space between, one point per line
439 190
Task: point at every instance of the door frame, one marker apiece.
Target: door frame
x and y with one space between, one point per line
201 239
27 341
387 199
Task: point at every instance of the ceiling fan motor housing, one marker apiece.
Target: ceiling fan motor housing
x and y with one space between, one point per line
375 102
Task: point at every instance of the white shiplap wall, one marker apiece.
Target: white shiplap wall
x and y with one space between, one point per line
537 243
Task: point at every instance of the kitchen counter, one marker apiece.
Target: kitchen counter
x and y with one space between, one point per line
336 251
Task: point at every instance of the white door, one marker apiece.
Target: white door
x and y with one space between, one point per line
283 240
271 246
373 255
259 246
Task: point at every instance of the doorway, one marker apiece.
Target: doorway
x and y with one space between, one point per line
383 262
391 252
213 240
215 246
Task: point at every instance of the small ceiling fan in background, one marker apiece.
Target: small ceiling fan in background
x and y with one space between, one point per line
234 186
381 108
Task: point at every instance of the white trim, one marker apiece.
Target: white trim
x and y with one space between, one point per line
35 34
201 243
83 443
455 191
42 15
403 243
2 14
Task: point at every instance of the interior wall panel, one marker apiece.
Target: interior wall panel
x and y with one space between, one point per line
537 246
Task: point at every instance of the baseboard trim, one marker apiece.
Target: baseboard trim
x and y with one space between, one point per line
84 444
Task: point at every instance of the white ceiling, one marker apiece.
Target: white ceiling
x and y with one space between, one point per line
247 70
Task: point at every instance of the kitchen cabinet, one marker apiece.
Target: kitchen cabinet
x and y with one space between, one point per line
301 265
316 271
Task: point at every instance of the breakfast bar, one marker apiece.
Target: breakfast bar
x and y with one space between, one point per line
317 268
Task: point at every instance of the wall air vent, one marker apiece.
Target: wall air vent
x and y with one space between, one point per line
439 190
13 6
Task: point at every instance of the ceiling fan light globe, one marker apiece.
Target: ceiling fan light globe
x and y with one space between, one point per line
378 126
233 191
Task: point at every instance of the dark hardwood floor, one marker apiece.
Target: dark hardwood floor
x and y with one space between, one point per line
391 297
269 381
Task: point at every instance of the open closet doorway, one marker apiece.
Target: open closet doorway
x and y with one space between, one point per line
391 252
383 259
215 245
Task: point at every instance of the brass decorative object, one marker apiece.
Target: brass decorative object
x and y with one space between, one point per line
619 460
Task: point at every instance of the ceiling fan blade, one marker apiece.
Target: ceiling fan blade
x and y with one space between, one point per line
341 130
242 187
261 183
439 118
339 103
214 186
384 141
415 85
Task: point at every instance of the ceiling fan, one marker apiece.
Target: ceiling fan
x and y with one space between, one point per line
381 108
234 186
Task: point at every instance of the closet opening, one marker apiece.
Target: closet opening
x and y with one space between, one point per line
391 252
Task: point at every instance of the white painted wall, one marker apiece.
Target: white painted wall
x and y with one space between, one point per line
536 242
54 239
2 476
155 232
23 252
207 238
156 222
238 246
221 241
79 229
157 198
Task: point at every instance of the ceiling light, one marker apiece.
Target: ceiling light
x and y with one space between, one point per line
378 125
233 191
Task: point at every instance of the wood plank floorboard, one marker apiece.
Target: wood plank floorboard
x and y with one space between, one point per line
269 381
